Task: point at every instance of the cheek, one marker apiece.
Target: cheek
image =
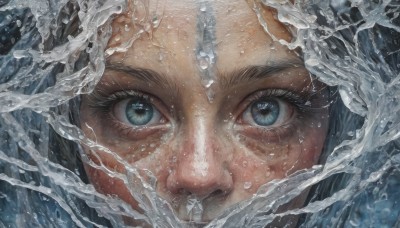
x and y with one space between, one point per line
109 185
259 162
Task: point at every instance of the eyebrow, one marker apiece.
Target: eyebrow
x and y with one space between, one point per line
226 80
257 72
145 75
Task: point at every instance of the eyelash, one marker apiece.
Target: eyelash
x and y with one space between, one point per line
298 101
104 103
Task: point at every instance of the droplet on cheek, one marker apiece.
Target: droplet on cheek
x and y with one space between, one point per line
117 38
247 185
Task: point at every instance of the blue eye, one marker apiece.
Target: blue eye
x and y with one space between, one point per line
268 112
265 112
139 112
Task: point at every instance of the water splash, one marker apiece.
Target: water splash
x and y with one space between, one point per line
46 64
206 47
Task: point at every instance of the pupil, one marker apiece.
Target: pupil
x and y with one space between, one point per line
139 112
265 112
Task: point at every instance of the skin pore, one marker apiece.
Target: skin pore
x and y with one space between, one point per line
262 118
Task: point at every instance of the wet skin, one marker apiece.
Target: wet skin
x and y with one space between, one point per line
152 110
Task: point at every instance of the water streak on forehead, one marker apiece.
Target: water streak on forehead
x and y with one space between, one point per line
205 47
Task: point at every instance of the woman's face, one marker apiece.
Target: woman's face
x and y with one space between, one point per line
263 116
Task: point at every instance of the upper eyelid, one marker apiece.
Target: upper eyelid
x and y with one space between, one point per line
99 99
286 95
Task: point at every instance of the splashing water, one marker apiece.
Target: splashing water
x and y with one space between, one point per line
51 52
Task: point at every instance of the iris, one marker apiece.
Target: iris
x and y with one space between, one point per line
265 112
139 111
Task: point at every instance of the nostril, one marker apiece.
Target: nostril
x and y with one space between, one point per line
216 193
219 192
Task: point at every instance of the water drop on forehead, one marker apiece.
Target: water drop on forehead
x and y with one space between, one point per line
203 64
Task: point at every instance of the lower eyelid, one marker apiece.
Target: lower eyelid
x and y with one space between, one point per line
137 133
268 135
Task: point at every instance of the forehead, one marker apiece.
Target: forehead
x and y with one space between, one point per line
171 33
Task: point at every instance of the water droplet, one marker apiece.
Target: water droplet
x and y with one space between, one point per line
18 54
311 18
155 22
312 62
203 64
247 185
209 83
127 28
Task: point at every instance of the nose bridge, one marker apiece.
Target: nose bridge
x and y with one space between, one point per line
199 169
197 158
201 155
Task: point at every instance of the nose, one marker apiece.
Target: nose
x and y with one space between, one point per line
201 168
